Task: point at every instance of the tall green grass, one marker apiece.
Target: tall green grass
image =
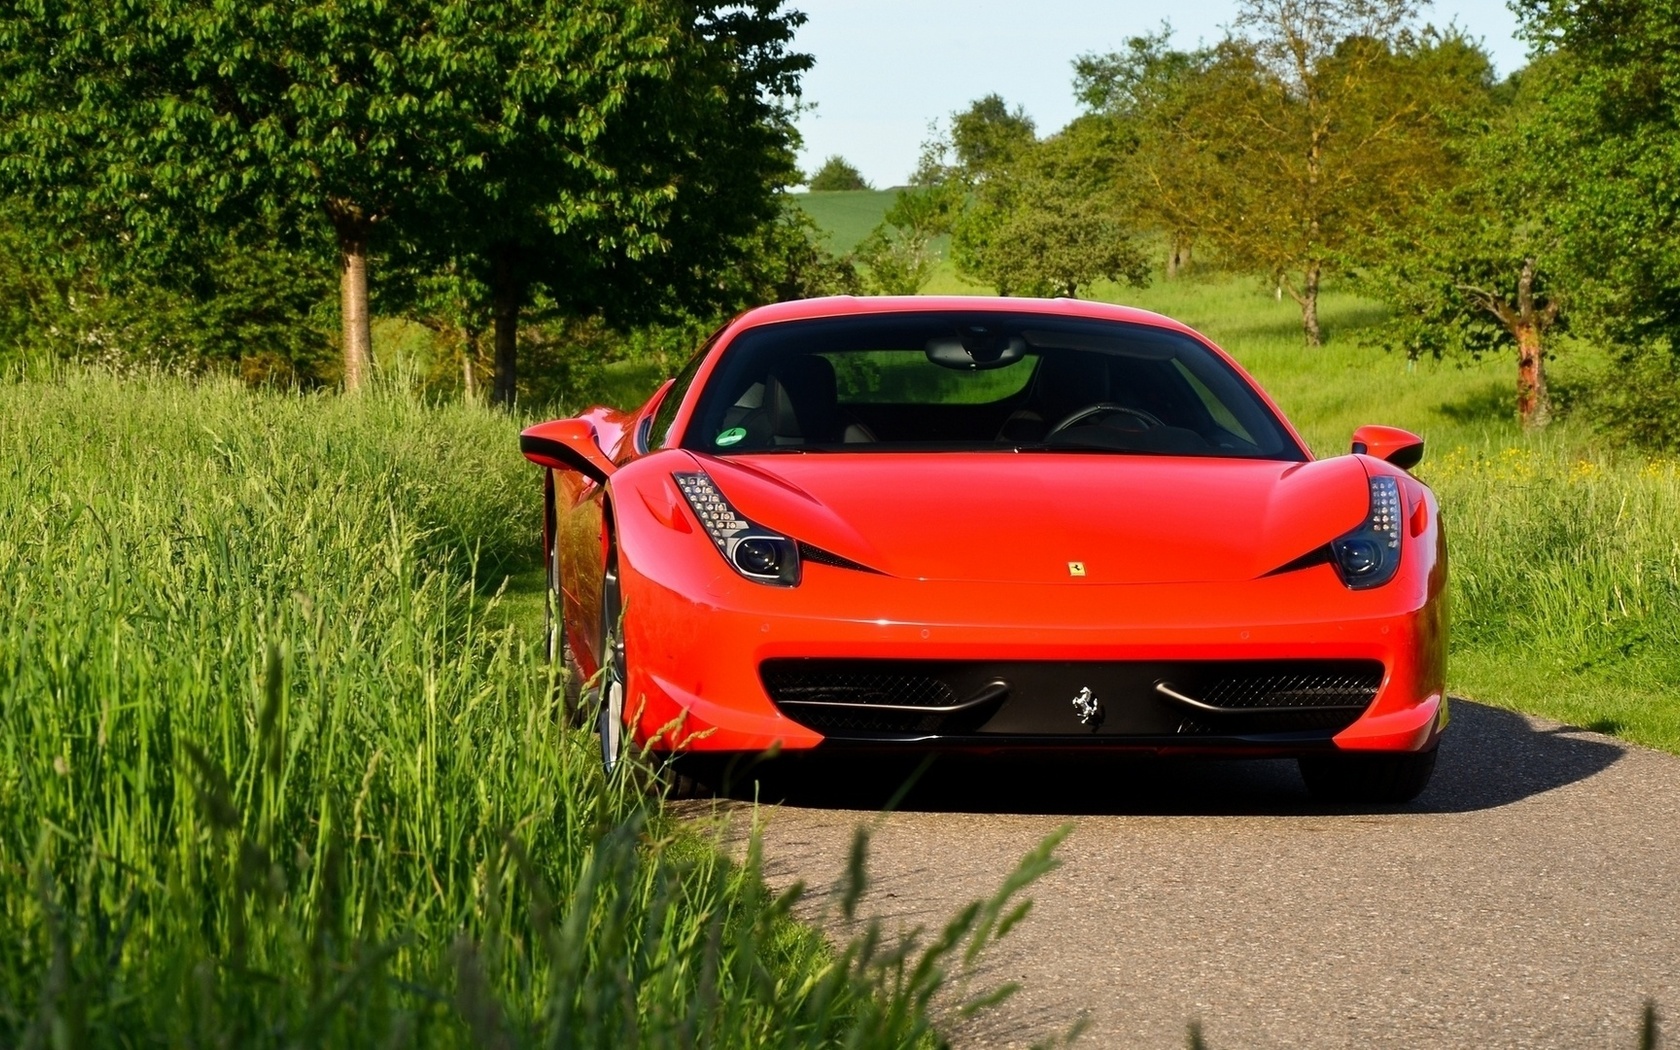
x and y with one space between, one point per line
277 769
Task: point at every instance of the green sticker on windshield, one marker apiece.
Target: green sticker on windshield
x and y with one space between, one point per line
730 436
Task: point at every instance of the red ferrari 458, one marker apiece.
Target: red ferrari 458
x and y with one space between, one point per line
906 524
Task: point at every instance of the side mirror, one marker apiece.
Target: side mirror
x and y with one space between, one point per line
567 444
1402 448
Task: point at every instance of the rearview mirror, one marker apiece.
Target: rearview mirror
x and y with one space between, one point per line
972 349
567 444
1402 448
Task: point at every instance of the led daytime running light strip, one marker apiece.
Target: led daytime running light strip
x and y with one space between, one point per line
1385 510
721 521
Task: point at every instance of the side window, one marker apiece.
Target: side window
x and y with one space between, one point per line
666 413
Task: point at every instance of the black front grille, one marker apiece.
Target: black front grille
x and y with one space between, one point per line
1301 689
1232 698
860 695
847 682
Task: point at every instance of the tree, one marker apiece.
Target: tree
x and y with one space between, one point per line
1047 223
1615 109
988 135
1618 110
836 173
165 126
1326 116
897 259
681 184
1478 266
898 252
1140 94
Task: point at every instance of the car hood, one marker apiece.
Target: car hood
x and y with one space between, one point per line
1041 516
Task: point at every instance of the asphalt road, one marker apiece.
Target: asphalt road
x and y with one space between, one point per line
1530 897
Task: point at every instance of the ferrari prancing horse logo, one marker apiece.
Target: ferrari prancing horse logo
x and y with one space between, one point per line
1087 707
1076 568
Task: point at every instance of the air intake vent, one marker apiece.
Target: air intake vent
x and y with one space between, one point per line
1243 692
818 556
882 696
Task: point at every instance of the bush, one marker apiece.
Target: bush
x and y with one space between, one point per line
837 173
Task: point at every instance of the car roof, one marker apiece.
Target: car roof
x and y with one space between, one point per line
853 306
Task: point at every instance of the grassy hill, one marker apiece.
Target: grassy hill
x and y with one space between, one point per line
846 216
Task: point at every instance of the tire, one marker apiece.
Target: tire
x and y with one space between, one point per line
609 712
1375 777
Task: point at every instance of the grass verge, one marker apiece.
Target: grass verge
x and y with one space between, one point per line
277 769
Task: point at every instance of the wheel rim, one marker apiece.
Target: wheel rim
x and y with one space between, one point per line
611 725
610 721
555 623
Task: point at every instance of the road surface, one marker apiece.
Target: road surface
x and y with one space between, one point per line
1530 897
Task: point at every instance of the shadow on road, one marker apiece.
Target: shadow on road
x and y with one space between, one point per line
1489 758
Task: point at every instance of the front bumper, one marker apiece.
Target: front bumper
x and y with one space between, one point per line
696 655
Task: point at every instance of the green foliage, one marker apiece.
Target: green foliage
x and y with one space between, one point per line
252 309
1618 112
612 151
1137 100
1047 223
1137 81
1639 403
785 260
1283 145
1477 265
282 768
1614 110
988 135
897 261
836 173
898 253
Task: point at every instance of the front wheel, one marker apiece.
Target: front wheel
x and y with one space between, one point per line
1372 777
609 717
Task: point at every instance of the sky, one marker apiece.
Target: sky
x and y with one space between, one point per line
886 68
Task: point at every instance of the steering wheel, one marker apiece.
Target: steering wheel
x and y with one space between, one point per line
1104 408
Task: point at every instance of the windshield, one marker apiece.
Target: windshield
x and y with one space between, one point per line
964 381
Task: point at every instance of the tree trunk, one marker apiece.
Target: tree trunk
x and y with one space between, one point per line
506 293
353 292
1309 307
1174 256
1534 408
469 361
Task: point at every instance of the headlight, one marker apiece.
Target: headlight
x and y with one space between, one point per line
754 551
1369 556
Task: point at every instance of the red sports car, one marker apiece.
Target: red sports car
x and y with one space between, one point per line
903 524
